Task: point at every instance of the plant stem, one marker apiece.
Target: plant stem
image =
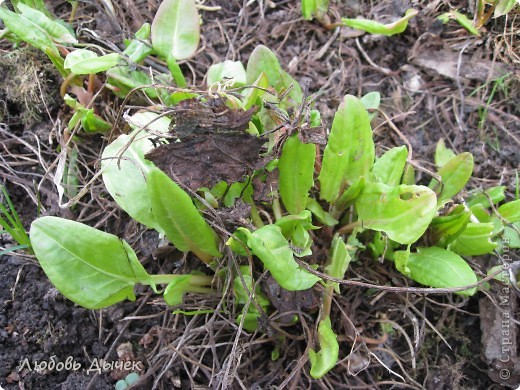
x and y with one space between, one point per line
277 209
348 228
196 280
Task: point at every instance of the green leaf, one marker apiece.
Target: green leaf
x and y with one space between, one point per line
227 70
56 31
176 29
92 268
296 167
461 19
314 8
389 168
264 60
124 176
442 154
272 248
83 61
295 228
321 215
510 211
252 94
402 212
371 100
91 122
339 260
324 360
504 6
495 194
348 197
138 49
182 284
475 240
33 32
349 154
445 229
374 27
122 79
441 268
179 218
455 174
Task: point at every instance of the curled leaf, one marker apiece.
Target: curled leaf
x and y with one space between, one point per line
327 357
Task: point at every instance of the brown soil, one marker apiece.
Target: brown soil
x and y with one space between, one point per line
431 87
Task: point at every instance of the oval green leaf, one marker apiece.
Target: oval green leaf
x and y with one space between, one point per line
455 174
227 70
264 60
272 248
83 61
92 268
349 154
475 240
179 218
441 268
389 168
402 212
176 29
57 31
296 167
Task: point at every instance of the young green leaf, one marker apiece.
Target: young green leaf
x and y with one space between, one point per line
92 268
371 100
402 212
264 60
182 284
441 268
389 168
474 240
83 61
321 215
349 154
242 298
90 121
227 70
176 29
327 357
57 31
493 194
314 8
455 174
348 197
504 6
138 49
445 229
339 260
374 27
296 167
253 94
461 19
272 248
296 229
34 33
179 218
442 154
510 211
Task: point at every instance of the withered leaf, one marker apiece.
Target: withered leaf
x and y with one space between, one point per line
193 117
214 146
208 159
290 301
